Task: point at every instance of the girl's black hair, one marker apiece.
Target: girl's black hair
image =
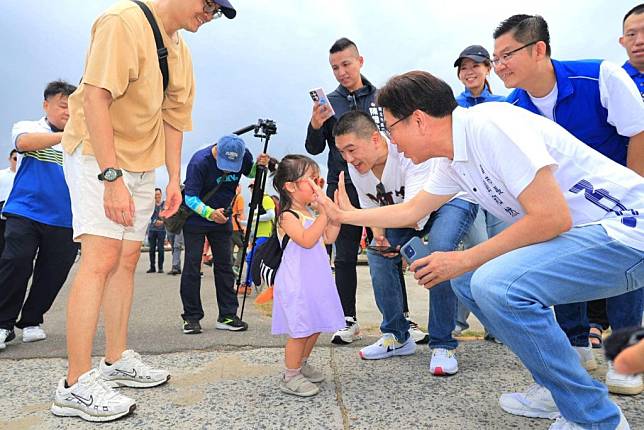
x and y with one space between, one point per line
290 169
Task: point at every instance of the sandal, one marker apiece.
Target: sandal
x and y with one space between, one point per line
595 337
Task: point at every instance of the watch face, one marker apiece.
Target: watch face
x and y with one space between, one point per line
110 175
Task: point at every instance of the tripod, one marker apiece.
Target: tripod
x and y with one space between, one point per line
264 129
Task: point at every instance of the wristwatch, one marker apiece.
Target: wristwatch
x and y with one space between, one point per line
110 174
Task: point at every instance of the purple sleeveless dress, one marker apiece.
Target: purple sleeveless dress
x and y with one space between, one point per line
305 298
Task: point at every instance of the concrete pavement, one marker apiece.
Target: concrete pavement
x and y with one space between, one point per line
229 380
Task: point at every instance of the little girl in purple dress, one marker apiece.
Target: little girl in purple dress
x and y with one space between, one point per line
306 300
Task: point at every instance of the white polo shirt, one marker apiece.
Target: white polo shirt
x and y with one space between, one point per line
498 148
401 180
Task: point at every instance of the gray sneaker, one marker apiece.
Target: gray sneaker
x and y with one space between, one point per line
299 386
311 373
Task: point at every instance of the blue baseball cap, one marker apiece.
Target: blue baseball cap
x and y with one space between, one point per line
226 8
230 153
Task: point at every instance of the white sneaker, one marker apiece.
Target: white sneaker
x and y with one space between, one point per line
33 334
130 371
564 424
348 334
535 402
90 399
443 362
388 346
419 336
586 357
6 336
619 383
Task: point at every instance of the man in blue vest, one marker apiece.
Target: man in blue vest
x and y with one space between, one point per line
598 103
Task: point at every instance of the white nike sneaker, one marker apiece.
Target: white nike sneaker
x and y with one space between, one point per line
564 424
348 334
535 402
130 371
586 357
33 334
388 346
443 362
419 336
91 399
620 383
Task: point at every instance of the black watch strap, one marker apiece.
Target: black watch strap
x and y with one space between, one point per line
110 174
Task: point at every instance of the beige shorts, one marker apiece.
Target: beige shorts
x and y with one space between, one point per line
86 192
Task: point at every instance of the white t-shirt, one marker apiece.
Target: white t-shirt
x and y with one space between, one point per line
6 182
401 181
546 105
498 149
617 95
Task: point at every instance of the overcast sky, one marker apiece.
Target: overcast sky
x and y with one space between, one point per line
262 63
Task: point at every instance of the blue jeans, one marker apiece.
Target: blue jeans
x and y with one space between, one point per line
623 311
485 226
512 295
446 228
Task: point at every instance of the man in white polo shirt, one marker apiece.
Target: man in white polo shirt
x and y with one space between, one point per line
576 233
382 176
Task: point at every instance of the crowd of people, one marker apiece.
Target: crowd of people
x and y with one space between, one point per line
530 207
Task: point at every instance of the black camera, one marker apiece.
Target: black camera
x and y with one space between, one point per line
267 127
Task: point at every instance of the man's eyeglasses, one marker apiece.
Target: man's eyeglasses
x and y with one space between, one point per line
213 8
504 58
387 128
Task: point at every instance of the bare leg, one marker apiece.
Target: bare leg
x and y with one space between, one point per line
117 300
293 352
310 343
98 259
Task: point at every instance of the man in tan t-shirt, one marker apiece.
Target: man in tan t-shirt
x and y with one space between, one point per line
122 126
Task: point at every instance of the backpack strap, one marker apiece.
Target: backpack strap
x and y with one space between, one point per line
286 238
162 51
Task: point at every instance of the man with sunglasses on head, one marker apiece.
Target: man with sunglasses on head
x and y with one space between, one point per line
124 123
383 176
38 233
599 104
355 92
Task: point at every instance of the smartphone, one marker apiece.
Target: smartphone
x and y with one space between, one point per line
414 249
318 95
384 249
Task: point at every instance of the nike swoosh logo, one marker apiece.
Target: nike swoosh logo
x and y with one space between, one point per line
131 374
86 402
228 321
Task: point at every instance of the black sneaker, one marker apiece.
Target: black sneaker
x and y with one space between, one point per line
191 327
151 270
160 270
231 323
175 272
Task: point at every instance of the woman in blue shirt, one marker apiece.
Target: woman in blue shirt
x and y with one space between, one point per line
473 68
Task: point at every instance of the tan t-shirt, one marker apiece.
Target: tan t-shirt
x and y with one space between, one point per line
122 59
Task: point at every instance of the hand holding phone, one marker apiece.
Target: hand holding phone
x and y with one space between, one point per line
414 249
323 110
